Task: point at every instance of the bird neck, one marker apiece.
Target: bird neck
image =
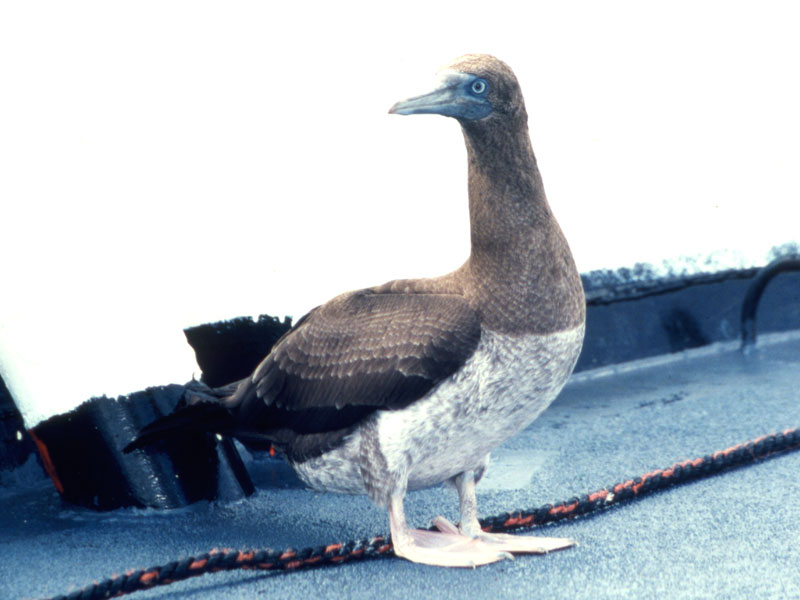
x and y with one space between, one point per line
506 195
520 265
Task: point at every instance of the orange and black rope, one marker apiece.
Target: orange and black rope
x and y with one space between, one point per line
339 553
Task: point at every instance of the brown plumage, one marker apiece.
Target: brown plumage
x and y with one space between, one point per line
360 352
413 382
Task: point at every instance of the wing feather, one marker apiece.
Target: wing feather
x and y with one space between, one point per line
360 352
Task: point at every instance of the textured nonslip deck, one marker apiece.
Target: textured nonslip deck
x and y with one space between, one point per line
733 535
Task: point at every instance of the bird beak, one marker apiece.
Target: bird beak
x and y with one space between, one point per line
450 98
441 97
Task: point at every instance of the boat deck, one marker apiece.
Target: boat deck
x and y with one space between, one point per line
732 535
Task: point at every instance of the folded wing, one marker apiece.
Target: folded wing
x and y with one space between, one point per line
360 352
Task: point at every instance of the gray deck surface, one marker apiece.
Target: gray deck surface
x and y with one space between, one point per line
735 535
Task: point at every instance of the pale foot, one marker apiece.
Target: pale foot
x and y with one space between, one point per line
467 546
445 549
504 542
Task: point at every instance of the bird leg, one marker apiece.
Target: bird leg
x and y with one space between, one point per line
439 548
500 542
464 546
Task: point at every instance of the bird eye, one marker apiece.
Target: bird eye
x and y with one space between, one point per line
479 86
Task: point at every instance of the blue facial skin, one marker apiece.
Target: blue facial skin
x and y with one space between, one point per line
460 95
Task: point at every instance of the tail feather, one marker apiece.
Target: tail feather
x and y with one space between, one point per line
200 417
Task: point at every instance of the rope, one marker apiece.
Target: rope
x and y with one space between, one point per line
379 546
681 472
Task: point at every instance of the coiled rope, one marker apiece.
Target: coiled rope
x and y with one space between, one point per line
379 546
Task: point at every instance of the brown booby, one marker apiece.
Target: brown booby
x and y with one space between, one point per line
413 383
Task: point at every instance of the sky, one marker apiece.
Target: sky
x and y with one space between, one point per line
166 164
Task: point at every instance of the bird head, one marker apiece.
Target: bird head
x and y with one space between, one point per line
473 88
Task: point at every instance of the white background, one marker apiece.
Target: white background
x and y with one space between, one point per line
165 164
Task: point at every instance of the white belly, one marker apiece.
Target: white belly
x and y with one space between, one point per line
503 387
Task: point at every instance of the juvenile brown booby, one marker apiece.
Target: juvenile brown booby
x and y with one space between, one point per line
413 383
